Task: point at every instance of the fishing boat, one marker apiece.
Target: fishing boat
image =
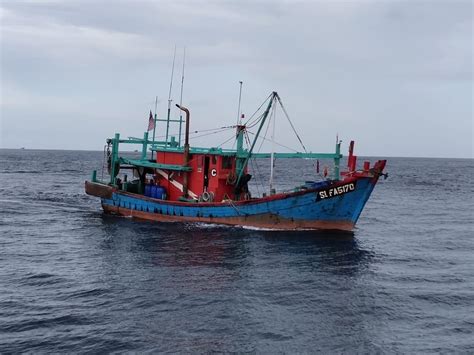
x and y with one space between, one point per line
180 183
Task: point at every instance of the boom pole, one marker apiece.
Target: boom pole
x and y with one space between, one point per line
249 154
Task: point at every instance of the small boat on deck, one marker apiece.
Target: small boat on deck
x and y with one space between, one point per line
180 183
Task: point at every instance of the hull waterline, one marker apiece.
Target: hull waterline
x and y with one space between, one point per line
312 209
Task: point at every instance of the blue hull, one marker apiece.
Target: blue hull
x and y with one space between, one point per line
337 207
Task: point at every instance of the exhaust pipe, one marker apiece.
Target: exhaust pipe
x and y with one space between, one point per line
186 150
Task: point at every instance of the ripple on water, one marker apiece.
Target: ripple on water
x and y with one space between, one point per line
72 279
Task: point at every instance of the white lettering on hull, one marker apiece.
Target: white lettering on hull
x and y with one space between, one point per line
335 191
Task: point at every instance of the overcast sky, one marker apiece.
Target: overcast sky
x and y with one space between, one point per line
396 76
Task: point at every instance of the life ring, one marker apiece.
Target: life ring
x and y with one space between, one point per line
205 196
231 178
213 172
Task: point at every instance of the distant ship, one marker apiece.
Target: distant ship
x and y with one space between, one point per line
190 184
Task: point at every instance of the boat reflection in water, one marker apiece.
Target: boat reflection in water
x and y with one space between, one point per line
230 248
210 288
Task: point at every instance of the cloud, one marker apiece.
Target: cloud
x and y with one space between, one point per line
356 67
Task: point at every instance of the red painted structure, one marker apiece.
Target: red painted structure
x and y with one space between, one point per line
212 173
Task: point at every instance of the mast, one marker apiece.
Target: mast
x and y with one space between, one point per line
169 98
272 156
249 154
238 108
181 98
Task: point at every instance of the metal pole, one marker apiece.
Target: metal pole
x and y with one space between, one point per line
337 161
249 154
272 156
154 126
238 108
186 150
169 98
181 99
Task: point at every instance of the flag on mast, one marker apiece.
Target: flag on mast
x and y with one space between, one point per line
151 122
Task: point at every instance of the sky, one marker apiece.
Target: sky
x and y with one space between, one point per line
395 76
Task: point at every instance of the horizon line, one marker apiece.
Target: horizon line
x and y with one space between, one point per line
133 151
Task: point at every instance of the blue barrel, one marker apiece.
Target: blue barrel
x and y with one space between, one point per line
153 191
148 190
159 192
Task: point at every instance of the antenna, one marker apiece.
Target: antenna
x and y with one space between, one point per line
239 121
169 97
181 97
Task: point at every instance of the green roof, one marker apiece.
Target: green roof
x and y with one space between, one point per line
149 164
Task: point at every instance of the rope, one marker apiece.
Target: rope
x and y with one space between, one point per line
252 162
281 145
235 207
208 134
263 103
265 135
227 140
253 124
202 130
259 181
291 123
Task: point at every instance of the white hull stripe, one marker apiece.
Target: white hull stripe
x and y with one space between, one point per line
176 184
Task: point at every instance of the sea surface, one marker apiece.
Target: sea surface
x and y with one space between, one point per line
75 280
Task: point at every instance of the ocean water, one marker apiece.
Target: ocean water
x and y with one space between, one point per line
75 280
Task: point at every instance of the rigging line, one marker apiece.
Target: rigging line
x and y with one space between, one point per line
202 135
266 131
257 121
258 109
203 130
235 207
293 127
281 145
212 129
207 134
263 103
258 182
227 140
247 139
291 123
252 161
235 141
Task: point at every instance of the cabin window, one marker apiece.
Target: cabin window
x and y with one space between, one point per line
227 162
214 160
